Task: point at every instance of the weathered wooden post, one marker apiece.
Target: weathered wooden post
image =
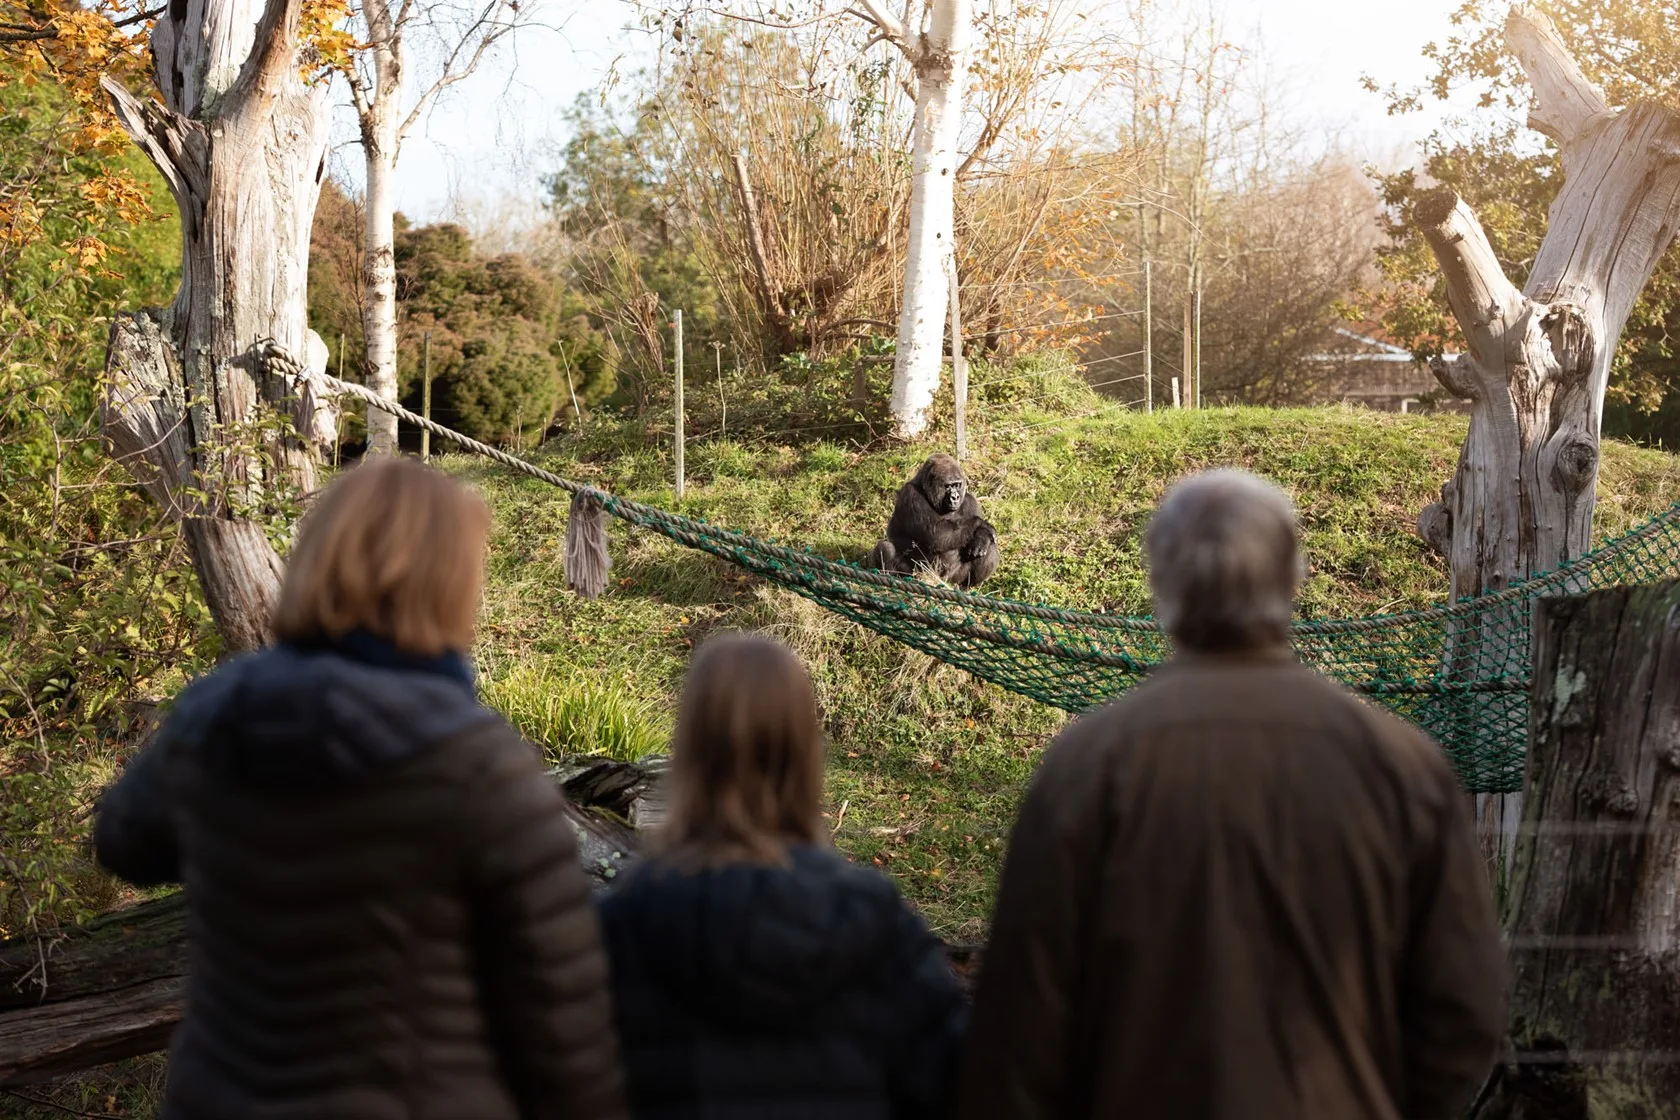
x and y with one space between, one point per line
426 395
959 368
1148 338
676 326
1593 910
1198 374
723 401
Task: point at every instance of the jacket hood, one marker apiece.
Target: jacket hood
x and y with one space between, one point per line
293 719
748 944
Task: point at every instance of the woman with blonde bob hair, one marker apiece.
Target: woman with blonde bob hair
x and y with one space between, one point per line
386 913
755 972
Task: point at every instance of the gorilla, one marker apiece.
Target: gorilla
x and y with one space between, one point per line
936 524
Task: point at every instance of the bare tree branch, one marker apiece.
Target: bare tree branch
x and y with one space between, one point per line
1483 299
174 144
1564 100
889 25
485 32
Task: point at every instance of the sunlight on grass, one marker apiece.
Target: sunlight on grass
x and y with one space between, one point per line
575 713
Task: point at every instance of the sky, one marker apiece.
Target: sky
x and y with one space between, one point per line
488 144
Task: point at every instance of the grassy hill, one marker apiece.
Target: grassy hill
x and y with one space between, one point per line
926 762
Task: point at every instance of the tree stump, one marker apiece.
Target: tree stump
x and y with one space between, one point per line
1593 912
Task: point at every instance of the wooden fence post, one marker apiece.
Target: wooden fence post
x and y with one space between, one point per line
676 325
338 429
1198 374
1148 338
1593 910
723 401
959 367
426 394
577 409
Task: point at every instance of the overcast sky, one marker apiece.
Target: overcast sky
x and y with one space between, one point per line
495 136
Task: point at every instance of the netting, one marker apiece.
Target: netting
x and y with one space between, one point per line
1461 672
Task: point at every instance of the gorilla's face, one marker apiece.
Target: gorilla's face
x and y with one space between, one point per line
944 484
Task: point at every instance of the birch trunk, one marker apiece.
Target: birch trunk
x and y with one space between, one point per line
189 406
1538 359
380 138
940 57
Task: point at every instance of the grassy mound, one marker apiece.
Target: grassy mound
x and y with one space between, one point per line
926 762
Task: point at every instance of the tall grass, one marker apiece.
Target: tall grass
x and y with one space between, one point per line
569 712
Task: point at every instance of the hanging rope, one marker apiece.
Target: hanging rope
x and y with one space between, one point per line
1459 671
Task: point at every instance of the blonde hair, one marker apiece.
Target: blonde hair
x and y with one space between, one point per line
747 757
1224 562
391 547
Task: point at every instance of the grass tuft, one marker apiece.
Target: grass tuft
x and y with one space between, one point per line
570 713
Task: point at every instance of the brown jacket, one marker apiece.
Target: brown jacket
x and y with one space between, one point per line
387 919
1238 892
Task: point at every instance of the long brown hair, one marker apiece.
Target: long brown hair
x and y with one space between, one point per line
747 757
391 547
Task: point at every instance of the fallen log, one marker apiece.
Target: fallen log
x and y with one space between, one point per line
113 988
1593 914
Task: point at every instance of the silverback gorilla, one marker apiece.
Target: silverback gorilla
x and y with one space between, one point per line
936 524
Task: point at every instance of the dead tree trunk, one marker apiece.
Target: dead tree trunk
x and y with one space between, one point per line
1538 359
240 137
1594 907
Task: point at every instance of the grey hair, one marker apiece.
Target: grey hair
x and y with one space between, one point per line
1224 561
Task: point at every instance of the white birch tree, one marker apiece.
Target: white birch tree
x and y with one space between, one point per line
377 76
935 37
938 53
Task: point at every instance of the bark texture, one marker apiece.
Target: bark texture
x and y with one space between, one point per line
1538 360
190 408
1594 907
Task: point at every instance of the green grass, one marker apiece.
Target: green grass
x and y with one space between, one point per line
926 763
569 713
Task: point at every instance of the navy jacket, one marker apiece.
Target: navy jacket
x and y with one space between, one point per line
805 992
386 916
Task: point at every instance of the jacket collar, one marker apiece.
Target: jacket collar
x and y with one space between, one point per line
381 653
1280 654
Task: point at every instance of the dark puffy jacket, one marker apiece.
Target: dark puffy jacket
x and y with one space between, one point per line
386 914
779 993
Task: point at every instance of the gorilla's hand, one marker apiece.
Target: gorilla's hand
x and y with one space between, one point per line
983 540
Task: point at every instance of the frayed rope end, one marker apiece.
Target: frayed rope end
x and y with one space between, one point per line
587 562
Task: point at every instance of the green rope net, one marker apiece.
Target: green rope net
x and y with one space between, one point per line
1460 672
